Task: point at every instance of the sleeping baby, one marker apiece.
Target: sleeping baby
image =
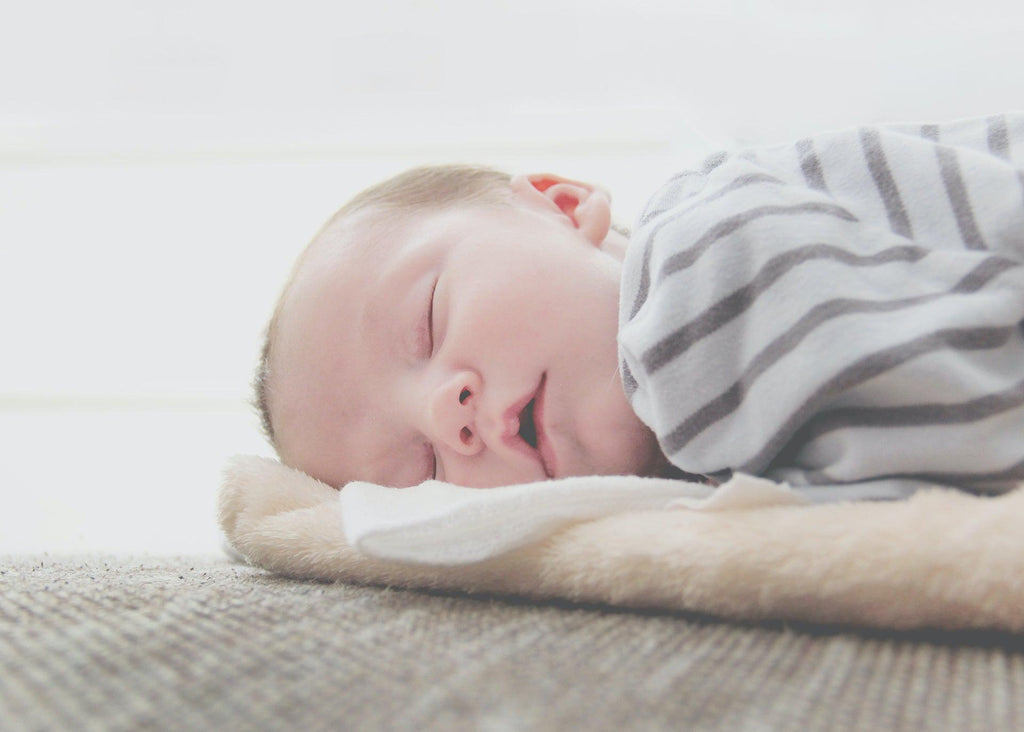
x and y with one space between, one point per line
845 314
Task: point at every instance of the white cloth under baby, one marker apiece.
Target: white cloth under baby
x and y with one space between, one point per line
443 524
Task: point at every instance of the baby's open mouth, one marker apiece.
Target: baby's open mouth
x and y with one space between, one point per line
527 429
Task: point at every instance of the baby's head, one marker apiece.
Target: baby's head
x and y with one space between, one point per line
458 324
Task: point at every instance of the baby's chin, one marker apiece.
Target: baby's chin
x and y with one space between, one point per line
614 438
642 457
625 447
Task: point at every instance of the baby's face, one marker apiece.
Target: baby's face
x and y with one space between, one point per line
475 345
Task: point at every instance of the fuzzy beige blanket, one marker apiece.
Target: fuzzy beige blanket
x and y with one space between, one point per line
942 559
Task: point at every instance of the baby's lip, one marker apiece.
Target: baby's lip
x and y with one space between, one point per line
547 452
511 437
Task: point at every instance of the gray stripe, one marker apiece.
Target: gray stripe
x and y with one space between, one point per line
810 165
930 132
915 415
957 339
684 259
713 161
649 212
982 274
999 144
645 274
643 288
957 192
736 303
998 137
629 384
998 481
1013 473
871 143
728 401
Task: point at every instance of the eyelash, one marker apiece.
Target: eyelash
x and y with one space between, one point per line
429 351
427 336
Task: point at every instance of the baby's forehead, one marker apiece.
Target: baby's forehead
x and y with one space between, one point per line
371 238
357 239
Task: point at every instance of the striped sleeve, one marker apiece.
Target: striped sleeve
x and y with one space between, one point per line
845 313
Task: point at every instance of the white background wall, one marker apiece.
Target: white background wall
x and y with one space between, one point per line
162 163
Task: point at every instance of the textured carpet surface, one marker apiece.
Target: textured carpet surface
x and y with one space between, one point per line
200 643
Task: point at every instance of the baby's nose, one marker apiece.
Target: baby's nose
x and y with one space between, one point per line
453 408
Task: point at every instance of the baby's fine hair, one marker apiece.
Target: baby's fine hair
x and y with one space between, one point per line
419 189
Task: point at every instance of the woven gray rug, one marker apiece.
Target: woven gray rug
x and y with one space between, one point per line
194 643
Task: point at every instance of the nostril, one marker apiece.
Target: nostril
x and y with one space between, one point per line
464 396
465 435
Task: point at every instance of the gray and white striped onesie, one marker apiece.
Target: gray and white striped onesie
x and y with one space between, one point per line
845 313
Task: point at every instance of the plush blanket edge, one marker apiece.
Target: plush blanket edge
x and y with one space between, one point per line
942 559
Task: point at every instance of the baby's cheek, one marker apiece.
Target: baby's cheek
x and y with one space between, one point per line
502 319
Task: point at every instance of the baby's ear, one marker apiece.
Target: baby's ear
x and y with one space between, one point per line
586 206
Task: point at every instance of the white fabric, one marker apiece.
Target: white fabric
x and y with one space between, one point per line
844 312
442 524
